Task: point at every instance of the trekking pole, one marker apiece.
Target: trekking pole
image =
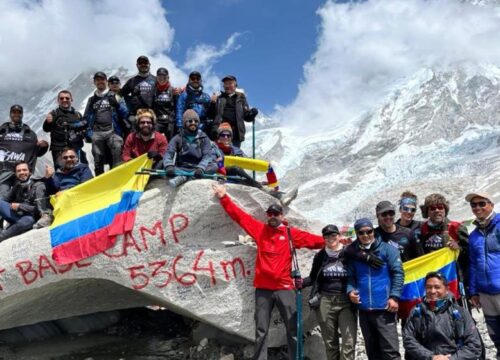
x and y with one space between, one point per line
253 145
163 173
461 290
299 350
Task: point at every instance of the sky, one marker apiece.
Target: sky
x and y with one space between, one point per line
315 62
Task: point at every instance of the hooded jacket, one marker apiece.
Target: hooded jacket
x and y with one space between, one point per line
196 100
192 152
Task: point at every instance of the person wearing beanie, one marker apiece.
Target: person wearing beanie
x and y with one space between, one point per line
376 292
231 106
195 99
328 298
189 151
273 282
138 91
438 231
164 103
145 139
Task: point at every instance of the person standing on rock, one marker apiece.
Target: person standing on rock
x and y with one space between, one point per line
164 101
407 211
438 328
376 292
328 298
484 257
273 267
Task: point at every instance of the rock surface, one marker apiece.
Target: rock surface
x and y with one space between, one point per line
183 254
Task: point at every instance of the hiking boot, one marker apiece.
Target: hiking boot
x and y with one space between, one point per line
177 181
44 221
289 196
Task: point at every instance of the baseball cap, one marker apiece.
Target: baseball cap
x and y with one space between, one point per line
228 77
275 208
384 206
330 229
101 75
483 195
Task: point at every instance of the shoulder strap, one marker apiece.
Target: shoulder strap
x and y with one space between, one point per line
295 262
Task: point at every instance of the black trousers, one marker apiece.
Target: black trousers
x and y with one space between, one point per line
379 329
264 304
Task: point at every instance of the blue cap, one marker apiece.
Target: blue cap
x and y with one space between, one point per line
361 223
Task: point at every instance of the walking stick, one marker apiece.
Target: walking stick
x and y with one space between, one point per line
299 351
253 145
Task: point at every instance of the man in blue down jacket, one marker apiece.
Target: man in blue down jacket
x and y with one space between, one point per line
376 292
484 257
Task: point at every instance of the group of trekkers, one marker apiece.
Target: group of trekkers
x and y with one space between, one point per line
362 280
185 131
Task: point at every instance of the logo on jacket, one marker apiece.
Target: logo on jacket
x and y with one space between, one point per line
282 238
434 242
6 155
13 136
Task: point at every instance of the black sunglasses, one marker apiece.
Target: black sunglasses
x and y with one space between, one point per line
408 209
365 232
479 203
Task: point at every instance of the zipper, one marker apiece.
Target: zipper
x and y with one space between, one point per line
370 286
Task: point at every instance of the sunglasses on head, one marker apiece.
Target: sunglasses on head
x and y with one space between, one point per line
436 207
64 98
365 232
408 209
69 157
389 213
481 203
192 121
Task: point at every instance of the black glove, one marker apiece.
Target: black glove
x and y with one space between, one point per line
252 113
170 171
154 155
373 260
198 173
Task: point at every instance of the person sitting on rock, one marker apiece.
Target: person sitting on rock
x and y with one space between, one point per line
145 139
24 204
71 174
192 151
438 328
273 267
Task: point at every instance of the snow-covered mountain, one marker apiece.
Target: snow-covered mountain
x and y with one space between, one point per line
438 131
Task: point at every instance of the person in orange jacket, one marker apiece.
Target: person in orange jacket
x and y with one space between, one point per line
273 267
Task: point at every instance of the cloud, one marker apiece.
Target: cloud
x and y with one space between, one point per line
364 48
44 42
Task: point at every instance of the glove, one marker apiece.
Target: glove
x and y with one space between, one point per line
154 155
299 282
198 173
170 171
253 112
373 260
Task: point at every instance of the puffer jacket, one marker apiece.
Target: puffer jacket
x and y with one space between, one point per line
376 286
66 180
484 257
196 152
449 330
196 100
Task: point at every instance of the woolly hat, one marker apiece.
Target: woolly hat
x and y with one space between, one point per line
145 113
190 114
434 199
224 127
361 223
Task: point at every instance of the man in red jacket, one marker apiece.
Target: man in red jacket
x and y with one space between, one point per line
273 266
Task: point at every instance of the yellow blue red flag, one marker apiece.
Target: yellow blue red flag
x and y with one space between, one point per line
88 217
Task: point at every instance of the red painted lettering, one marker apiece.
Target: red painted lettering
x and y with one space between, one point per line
141 279
158 265
157 228
81 265
178 223
1 272
26 271
126 243
210 267
185 279
232 264
45 264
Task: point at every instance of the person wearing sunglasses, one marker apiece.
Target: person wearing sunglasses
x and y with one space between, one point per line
71 173
328 298
231 106
66 127
398 236
438 231
376 292
273 267
138 91
438 328
164 101
195 99
190 151
484 257
407 210
105 113
145 139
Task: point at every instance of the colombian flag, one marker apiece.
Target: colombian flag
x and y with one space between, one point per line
254 165
89 216
442 261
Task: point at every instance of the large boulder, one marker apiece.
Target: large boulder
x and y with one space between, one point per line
184 254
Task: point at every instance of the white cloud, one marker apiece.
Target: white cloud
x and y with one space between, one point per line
44 42
364 48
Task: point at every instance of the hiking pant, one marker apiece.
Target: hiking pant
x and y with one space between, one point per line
264 304
247 179
7 179
18 223
491 310
335 313
166 128
102 140
380 334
